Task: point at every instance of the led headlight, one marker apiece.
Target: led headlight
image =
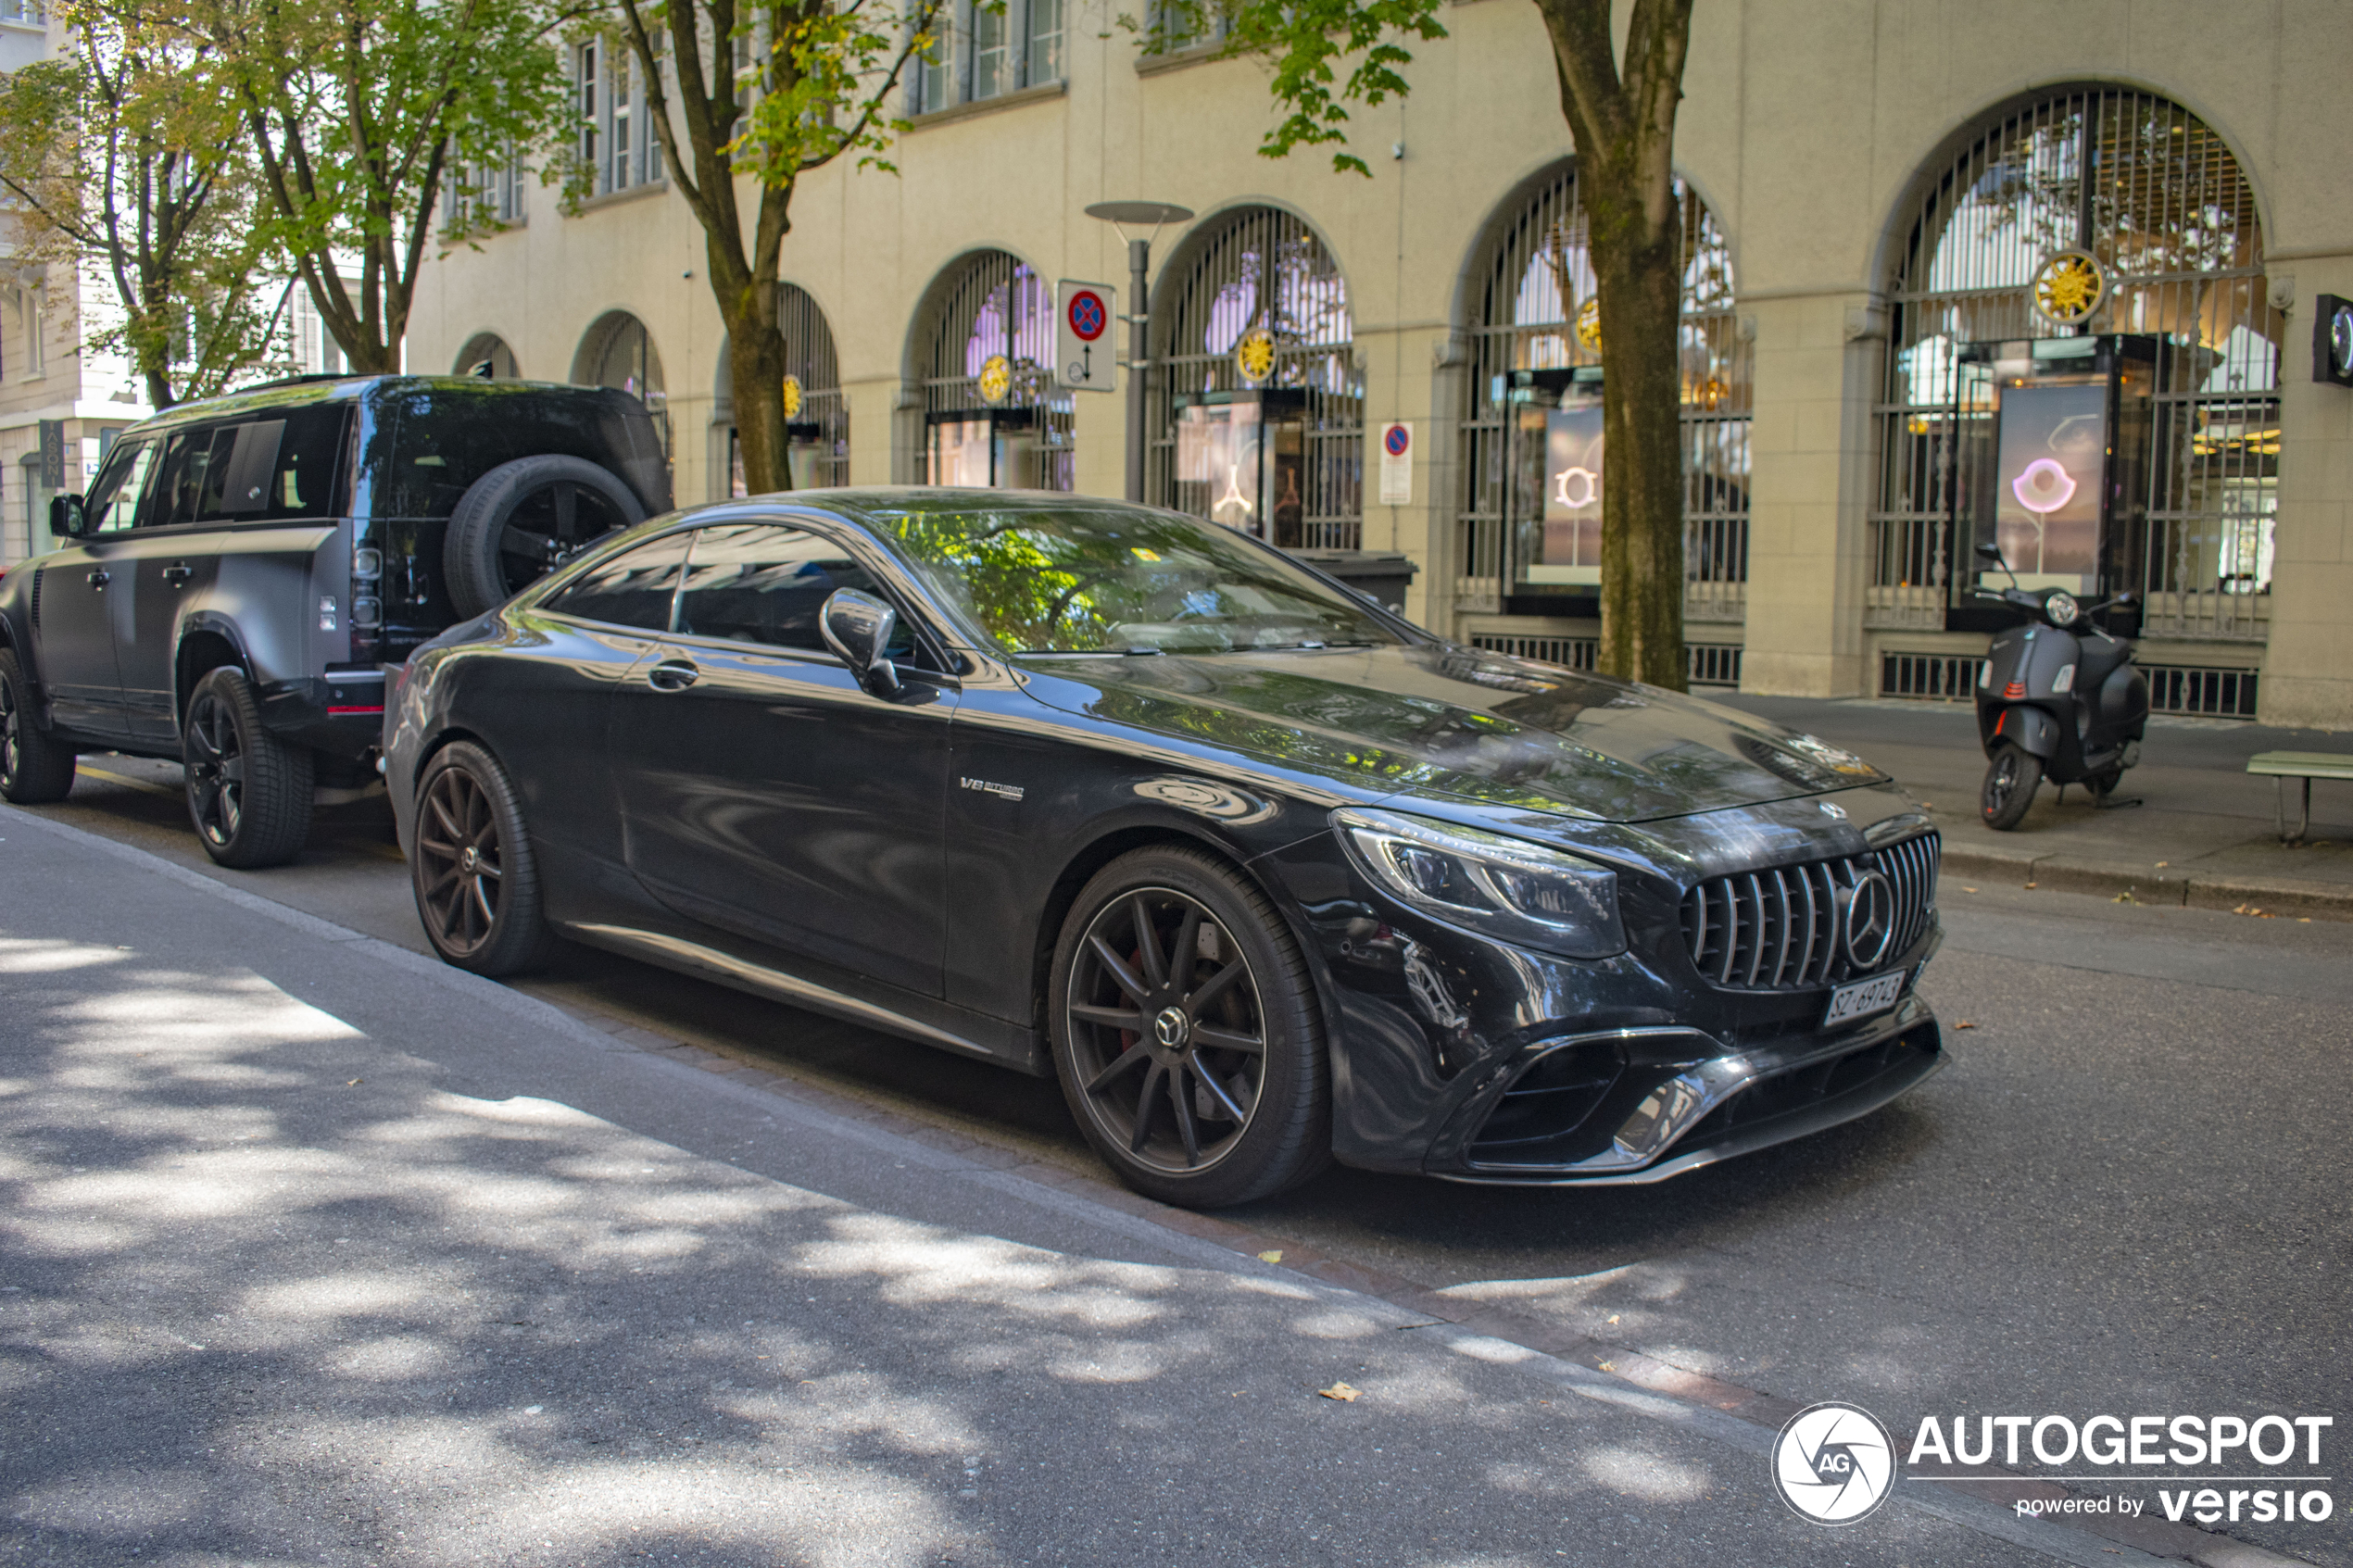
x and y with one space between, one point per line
1507 888
2061 608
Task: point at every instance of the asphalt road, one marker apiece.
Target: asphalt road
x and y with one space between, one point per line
2126 1195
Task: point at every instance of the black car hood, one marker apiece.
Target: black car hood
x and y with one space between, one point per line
1456 721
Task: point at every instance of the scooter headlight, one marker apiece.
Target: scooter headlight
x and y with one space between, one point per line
2062 609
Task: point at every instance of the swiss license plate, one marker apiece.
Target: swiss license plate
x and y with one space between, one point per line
1864 999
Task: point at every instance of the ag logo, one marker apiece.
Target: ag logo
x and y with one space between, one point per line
1835 1464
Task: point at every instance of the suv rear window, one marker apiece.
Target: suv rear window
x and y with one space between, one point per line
285 468
444 438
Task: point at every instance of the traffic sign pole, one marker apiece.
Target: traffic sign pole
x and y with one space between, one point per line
1139 266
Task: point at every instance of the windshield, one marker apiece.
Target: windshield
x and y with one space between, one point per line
1058 580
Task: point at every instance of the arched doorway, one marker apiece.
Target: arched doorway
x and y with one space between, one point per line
487 357
984 359
1532 459
816 415
2099 246
1260 405
617 352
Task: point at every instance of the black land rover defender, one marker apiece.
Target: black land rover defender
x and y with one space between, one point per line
243 568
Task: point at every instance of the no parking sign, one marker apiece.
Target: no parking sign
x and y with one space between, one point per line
1397 464
1084 360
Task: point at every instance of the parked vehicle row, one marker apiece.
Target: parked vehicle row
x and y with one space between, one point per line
1264 875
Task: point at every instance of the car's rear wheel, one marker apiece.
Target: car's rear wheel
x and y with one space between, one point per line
34 769
2010 782
1187 1033
249 792
521 519
476 881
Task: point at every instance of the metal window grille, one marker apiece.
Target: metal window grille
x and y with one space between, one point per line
1250 269
1948 677
1705 664
996 305
2152 192
621 355
1536 275
2214 694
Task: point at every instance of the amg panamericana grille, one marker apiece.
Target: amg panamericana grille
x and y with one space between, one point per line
1784 928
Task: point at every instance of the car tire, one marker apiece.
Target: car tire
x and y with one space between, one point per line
521 519
249 792
1196 1064
34 768
471 867
2010 782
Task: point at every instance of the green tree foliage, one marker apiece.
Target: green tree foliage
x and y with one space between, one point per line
354 113
1620 109
124 164
767 90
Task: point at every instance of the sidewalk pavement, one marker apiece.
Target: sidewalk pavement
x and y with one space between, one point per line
2204 836
317 1251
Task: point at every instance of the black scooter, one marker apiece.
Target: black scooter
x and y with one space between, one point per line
2061 698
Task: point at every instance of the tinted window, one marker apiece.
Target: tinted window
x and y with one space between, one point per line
114 500
763 584
443 437
632 589
255 470
1078 582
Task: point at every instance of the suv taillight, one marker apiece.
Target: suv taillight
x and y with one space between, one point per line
367 603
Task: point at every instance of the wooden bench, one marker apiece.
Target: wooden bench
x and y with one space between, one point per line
2305 765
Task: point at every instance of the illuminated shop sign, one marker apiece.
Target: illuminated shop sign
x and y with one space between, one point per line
1570 550
2047 497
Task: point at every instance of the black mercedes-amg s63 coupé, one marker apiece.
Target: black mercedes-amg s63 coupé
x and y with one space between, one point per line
1263 874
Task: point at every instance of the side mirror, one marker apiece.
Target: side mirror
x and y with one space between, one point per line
67 519
2124 598
1990 551
858 627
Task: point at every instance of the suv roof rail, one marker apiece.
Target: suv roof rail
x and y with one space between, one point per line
307 377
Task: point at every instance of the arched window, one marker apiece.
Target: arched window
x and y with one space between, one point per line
816 415
1989 291
1260 405
617 352
487 357
985 353
1532 458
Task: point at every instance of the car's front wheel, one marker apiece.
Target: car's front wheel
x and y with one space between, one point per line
34 769
249 792
1187 1033
476 882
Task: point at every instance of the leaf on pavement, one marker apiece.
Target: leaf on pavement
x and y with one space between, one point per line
1964 1023
1341 1392
1273 1257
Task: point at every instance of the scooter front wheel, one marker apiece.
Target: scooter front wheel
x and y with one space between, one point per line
2010 782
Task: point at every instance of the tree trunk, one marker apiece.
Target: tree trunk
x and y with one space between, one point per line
1624 128
756 360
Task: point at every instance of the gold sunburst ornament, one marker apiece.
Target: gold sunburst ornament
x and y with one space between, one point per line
1255 356
1588 325
996 378
792 397
2068 286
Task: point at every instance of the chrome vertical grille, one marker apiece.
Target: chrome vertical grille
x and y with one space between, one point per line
1783 929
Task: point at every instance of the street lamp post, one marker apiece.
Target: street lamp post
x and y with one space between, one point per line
1140 258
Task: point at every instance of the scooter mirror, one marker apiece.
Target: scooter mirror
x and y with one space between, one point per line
1990 551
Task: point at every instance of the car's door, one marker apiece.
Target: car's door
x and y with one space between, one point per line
81 590
763 790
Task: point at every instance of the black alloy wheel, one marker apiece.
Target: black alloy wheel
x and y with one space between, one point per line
249 794
34 769
523 519
2010 782
1187 1033
477 886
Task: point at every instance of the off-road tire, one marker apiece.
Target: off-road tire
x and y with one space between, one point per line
1192 1151
34 768
514 523
481 912
249 792
2011 779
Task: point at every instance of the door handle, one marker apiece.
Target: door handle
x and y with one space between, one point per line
100 578
673 675
178 575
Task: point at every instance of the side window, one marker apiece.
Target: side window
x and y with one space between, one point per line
634 588
262 471
187 467
114 501
763 583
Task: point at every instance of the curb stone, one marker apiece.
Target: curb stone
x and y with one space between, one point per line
2066 873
